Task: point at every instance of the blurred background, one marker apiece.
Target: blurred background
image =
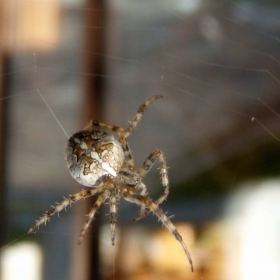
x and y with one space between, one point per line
217 63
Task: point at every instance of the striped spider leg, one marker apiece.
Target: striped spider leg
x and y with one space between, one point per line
83 194
153 207
146 166
125 132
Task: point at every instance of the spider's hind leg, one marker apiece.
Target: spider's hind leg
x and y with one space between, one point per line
147 202
91 215
114 196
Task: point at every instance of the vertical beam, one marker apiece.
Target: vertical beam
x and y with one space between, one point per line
2 150
94 89
4 63
87 265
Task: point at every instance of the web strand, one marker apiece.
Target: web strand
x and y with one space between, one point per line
52 112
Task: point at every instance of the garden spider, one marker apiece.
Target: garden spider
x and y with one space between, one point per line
98 161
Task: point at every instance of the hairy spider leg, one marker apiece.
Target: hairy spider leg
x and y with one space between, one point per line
114 128
128 159
101 198
143 192
137 117
146 166
67 201
143 189
132 124
113 214
124 133
147 202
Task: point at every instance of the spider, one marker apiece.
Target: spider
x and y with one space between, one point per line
104 164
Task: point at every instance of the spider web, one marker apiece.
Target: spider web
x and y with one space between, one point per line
217 67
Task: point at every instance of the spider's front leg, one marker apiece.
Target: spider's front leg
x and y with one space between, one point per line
125 132
146 166
137 117
147 202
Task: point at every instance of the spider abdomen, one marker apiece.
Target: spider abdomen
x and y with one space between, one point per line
93 155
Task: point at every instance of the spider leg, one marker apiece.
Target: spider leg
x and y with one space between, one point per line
147 202
146 166
67 201
143 192
124 133
114 128
113 215
91 215
143 189
137 117
128 159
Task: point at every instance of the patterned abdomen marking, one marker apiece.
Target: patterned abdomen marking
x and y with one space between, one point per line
92 155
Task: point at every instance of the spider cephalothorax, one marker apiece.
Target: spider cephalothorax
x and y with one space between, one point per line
96 159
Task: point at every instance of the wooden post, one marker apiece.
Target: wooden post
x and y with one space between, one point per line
4 64
88 267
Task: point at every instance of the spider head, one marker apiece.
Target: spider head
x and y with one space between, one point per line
129 178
